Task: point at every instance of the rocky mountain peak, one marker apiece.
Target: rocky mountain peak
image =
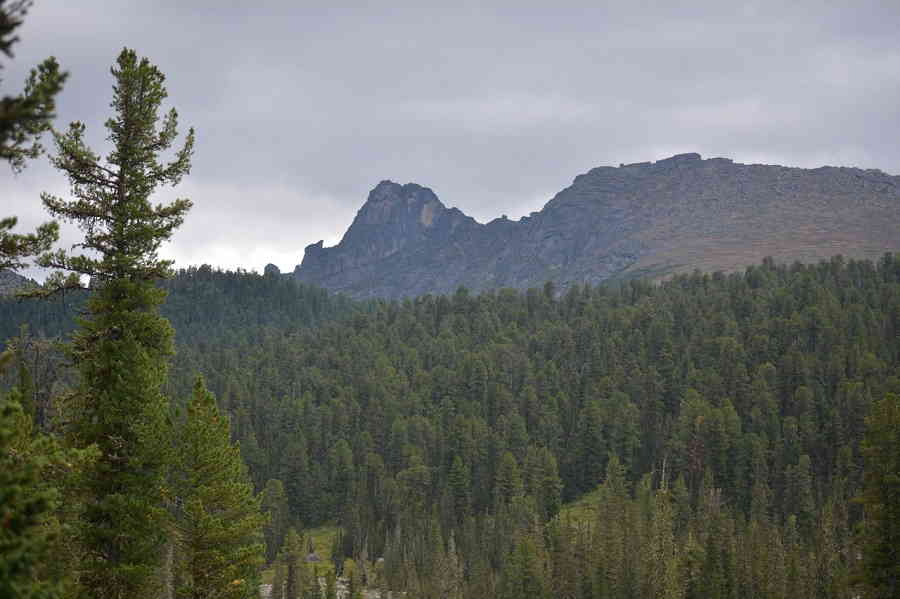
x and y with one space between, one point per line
676 214
392 203
394 217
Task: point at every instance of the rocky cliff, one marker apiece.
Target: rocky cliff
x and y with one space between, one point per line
658 218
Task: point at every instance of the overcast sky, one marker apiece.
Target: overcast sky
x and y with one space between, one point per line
301 107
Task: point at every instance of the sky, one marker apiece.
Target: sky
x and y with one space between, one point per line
300 108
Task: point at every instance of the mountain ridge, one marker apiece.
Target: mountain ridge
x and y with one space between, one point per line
662 217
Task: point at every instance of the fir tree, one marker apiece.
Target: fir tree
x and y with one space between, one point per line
220 523
122 347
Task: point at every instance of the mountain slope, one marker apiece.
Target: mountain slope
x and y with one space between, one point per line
673 215
11 282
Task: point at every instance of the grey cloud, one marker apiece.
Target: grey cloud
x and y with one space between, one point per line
301 108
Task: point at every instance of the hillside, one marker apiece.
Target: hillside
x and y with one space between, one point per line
204 305
722 415
10 282
660 218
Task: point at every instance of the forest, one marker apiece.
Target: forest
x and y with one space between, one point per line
184 433
718 424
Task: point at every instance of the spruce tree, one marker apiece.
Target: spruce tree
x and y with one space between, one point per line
220 523
123 345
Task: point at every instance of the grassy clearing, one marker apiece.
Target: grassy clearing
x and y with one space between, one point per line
582 509
322 538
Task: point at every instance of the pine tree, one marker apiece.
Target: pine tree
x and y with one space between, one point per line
275 504
881 499
220 523
123 345
15 247
508 481
23 507
660 554
458 480
291 554
36 476
24 117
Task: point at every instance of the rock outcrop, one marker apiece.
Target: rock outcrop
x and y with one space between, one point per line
654 219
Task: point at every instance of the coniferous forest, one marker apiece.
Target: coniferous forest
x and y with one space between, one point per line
712 435
180 433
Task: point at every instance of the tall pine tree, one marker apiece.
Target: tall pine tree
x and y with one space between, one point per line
122 347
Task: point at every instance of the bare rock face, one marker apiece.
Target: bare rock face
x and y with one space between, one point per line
654 219
396 222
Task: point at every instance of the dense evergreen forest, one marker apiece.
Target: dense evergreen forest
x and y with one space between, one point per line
203 304
206 307
722 417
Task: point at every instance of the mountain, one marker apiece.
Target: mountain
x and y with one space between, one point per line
10 282
673 215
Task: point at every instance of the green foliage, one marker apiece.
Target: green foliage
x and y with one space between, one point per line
39 499
24 508
725 390
24 117
723 416
881 499
274 504
330 585
15 247
122 346
291 564
205 306
524 574
122 228
219 520
121 354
